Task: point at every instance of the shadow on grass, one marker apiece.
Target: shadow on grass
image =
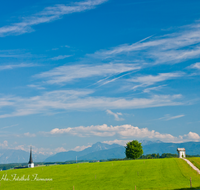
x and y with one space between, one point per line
197 188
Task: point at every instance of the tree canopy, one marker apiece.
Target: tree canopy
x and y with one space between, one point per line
133 149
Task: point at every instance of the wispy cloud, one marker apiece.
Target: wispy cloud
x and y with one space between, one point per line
150 79
195 66
36 150
36 86
9 126
109 79
29 135
47 15
65 74
60 57
156 88
116 115
72 100
167 49
13 54
168 117
22 65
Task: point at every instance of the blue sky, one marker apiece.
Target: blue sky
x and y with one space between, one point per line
77 72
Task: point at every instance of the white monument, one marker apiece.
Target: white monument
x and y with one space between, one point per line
30 163
181 152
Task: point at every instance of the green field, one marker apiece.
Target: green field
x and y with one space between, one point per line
195 161
170 173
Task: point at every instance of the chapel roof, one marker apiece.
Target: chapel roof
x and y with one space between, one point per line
180 149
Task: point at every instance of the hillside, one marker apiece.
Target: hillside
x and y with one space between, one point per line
157 174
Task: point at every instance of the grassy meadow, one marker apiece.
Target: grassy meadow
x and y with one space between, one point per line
195 161
169 173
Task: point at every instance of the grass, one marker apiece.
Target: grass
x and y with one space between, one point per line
171 173
195 161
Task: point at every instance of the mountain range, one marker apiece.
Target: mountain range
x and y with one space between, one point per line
98 151
18 156
71 155
102 151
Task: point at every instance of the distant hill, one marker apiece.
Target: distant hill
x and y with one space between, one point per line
102 151
105 154
18 156
71 155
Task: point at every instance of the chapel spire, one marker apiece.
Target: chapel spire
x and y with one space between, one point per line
30 163
30 160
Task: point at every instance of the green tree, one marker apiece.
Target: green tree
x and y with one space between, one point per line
133 149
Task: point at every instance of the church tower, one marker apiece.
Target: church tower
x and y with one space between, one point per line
31 164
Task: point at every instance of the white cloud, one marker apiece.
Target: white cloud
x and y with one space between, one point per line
191 136
116 115
65 74
60 149
80 148
168 117
60 57
19 147
36 150
109 131
72 100
47 15
4 144
116 141
29 134
123 131
45 151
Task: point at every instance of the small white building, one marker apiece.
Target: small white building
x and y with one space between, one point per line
30 163
181 152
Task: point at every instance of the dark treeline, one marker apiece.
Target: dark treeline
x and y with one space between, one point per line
9 166
164 155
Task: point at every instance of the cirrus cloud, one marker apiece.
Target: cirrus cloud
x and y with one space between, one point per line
49 14
49 102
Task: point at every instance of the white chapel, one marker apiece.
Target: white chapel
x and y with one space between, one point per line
181 152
